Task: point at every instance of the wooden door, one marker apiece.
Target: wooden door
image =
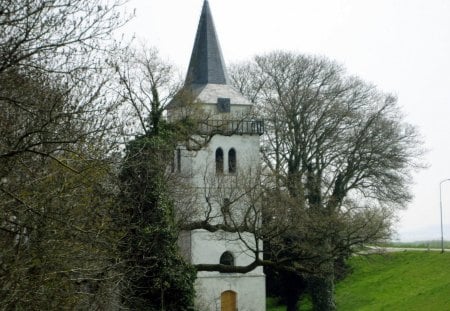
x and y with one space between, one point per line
228 301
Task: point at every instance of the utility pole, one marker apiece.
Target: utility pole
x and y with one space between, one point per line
440 206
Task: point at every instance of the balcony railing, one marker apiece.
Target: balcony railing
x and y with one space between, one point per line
231 127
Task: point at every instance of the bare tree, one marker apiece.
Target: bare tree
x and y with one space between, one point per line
56 197
146 84
57 36
338 148
58 135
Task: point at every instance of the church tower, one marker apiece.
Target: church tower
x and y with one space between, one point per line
221 172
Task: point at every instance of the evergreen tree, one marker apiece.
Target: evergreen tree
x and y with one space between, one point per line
156 276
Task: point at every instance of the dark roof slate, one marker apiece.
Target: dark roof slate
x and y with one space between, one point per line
207 64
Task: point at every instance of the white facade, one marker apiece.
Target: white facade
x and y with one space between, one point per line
203 247
221 172
207 248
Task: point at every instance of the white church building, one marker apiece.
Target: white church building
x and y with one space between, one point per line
217 172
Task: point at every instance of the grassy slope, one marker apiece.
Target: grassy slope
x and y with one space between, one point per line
398 281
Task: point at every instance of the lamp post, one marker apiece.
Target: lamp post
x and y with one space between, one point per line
440 206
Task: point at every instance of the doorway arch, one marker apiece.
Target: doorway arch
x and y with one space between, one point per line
228 301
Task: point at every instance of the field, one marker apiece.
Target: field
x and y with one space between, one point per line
419 244
396 281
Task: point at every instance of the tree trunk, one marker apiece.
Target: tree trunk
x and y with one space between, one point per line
291 306
322 292
294 287
321 286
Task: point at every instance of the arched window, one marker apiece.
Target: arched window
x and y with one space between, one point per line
219 160
227 259
232 160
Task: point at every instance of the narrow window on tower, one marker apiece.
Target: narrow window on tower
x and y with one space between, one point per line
179 160
232 160
219 161
172 163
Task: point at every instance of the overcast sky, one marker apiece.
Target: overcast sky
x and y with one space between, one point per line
402 46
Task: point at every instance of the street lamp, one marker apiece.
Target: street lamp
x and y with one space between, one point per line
440 205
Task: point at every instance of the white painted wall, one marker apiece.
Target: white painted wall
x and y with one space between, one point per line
207 247
203 247
247 154
250 292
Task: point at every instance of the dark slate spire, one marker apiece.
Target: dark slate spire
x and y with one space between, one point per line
206 65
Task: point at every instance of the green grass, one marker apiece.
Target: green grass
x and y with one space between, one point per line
396 281
272 305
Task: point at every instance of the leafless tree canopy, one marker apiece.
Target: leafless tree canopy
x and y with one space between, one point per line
336 148
330 136
146 84
55 35
58 137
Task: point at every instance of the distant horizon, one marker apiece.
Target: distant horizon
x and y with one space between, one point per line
423 233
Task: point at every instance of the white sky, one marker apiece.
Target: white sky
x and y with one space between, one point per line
402 46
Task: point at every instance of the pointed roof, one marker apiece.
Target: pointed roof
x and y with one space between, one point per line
207 64
207 81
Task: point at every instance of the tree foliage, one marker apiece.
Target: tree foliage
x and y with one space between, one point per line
56 197
57 144
339 149
156 277
58 36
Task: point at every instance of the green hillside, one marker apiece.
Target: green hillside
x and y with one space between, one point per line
396 281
